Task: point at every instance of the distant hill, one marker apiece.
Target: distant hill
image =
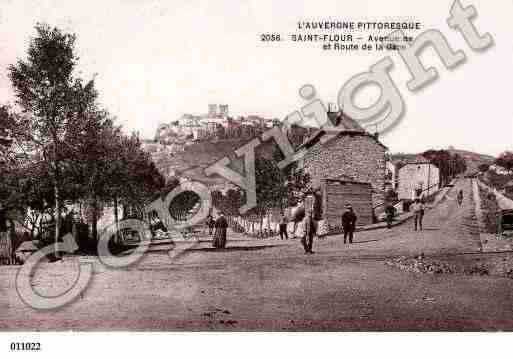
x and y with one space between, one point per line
473 159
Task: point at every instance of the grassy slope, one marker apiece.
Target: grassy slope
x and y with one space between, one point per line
196 157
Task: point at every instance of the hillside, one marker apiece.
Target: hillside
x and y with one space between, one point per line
473 159
196 157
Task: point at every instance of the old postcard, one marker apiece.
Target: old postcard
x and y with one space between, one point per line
262 166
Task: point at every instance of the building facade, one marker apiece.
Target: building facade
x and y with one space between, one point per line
353 154
416 179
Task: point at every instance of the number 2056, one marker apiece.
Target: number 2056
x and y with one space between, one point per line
270 37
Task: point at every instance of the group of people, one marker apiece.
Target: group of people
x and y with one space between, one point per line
418 208
311 221
311 226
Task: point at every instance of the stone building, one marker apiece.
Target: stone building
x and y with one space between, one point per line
416 178
352 154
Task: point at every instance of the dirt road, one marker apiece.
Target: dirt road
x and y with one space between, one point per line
272 285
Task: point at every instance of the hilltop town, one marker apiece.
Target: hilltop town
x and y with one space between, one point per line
215 125
185 146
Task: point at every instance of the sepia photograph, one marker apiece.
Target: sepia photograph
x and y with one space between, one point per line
329 167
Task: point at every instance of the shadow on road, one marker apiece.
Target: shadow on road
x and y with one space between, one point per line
233 249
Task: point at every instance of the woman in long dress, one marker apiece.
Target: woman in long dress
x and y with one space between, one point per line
220 232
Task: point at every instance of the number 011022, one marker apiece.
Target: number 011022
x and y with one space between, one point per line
25 346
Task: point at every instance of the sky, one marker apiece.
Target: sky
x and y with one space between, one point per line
156 60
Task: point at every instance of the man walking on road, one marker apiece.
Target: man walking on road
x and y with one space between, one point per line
312 212
283 227
309 230
349 223
460 197
418 210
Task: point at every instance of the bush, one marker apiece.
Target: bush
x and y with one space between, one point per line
490 208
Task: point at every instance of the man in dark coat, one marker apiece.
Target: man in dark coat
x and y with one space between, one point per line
390 213
317 205
210 223
418 209
349 223
309 223
460 197
309 230
283 227
220 232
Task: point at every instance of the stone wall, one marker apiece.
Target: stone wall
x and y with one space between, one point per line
358 156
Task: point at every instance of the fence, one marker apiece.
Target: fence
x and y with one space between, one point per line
262 227
6 248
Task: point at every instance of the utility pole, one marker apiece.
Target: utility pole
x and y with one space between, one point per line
429 177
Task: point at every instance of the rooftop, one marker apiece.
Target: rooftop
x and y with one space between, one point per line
339 119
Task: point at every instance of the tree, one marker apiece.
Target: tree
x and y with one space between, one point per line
505 160
483 167
25 181
66 141
95 157
271 188
52 101
5 130
141 178
449 165
234 200
297 181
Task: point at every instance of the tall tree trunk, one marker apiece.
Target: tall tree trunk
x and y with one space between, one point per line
57 194
116 217
94 225
40 227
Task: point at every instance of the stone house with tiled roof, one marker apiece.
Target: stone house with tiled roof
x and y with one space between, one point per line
352 153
